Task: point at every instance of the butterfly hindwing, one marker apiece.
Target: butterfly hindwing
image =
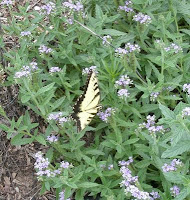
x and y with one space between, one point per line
87 104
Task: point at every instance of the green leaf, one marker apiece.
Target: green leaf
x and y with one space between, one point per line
4 127
2 112
166 112
88 185
41 139
174 177
181 147
143 163
25 98
131 141
94 152
19 140
183 194
45 89
47 185
112 32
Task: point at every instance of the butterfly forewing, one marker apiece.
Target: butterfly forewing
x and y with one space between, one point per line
87 105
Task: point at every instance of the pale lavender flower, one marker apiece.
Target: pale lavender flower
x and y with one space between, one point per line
22 74
123 93
44 49
150 120
120 52
54 70
135 192
106 40
26 71
129 181
88 69
104 116
25 33
154 195
127 7
143 19
132 47
62 196
154 129
65 165
174 48
54 116
186 88
62 120
186 112
154 96
34 66
74 7
48 8
52 138
110 166
175 190
174 165
7 2
57 171
41 162
129 48
124 80
150 126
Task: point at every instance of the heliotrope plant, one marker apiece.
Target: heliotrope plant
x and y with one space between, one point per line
137 147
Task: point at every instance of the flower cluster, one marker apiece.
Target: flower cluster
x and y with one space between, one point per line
52 138
88 69
124 80
105 115
186 87
25 33
106 40
129 48
129 182
186 112
174 165
154 96
127 7
42 166
26 71
123 93
57 117
173 48
150 126
54 70
75 7
48 8
44 49
169 88
175 190
62 196
7 2
143 19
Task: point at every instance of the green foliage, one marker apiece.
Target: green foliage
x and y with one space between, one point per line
94 150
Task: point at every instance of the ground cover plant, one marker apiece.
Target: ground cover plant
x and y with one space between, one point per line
137 147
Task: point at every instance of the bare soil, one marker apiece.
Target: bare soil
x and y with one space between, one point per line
17 175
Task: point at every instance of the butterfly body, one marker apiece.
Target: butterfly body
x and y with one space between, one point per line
87 104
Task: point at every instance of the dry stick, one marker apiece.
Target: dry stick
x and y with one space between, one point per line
94 33
85 27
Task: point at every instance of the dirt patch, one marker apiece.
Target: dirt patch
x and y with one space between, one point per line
17 175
